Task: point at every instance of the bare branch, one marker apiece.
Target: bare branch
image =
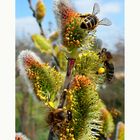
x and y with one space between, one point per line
66 86
31 7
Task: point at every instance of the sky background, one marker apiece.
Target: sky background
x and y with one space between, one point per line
112 9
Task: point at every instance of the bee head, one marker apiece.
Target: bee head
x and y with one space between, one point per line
108 55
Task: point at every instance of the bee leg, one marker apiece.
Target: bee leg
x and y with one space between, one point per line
51 135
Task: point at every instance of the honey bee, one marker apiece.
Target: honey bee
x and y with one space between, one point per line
58 119
58 116
110 70
115 112
91 21
107 57
97 130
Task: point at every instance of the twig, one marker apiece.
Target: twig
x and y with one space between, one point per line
68 78
31 7
57 65
34 15
41 28
42 31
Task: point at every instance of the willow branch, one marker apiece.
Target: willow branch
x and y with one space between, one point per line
68 78
66 86
41 29
31 7
42 32
34 15
57 65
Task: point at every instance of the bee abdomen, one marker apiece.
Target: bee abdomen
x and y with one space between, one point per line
110 70
87 25
89 22
83 25
109 76
109 66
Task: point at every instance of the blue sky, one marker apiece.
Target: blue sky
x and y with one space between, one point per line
112 9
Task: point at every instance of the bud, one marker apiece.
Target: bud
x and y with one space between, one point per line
43 44
40 10
54 36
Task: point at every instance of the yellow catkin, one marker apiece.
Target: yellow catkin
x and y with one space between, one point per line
40 10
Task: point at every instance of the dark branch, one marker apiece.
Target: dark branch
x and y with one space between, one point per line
41 28
31 7
68 78
63 92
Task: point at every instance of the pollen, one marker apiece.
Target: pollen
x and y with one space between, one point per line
51 104
101 70
80 81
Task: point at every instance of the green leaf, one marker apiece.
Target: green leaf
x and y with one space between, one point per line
43 44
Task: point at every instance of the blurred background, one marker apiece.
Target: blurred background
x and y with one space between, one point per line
30 115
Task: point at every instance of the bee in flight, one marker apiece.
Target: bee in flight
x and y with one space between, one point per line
90 21
107 57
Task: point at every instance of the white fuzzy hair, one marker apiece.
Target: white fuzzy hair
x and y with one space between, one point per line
24 54
56 4
19 134
58 15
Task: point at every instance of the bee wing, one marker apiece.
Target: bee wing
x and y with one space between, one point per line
98 43
105 21
96 9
